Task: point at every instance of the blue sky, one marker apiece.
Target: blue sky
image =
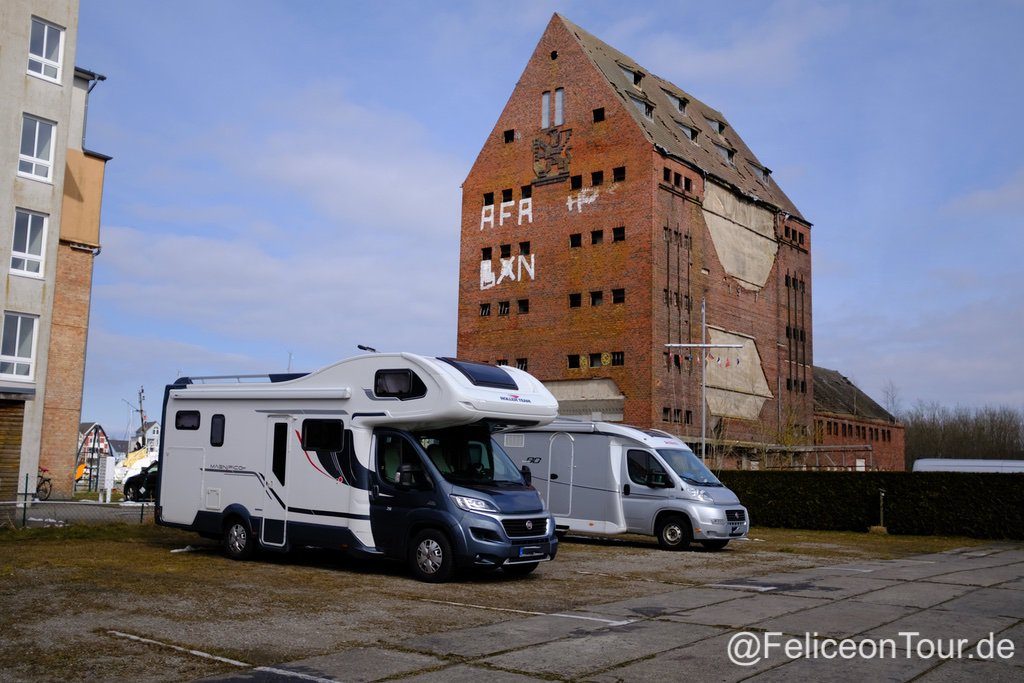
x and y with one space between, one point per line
286 174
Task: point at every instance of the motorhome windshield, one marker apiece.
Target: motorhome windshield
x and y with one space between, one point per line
468 455
689 467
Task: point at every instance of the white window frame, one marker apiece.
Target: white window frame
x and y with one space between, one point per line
545 109
35 162
30 360
26 256
559 106
43 61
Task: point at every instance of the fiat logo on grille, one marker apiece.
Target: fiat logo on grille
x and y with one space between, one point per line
529 525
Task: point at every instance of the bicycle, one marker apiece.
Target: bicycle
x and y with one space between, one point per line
44 485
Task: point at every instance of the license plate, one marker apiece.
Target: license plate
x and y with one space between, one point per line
530 551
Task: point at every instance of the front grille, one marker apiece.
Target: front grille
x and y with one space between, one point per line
519 528
736 515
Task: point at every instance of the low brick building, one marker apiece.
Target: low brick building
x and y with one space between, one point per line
605 205
846 417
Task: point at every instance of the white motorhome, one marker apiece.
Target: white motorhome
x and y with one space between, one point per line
380 455
603 478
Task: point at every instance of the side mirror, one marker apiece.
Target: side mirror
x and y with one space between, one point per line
527 475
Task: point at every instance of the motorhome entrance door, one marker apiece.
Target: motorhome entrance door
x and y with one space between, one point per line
275 518
560 457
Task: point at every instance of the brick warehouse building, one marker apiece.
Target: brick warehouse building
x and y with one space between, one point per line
604 205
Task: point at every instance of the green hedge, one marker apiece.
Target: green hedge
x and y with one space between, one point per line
922 503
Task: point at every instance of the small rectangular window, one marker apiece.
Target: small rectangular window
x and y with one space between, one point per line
186 419
800 239
599 115
29 240
485 254
559 107
45 50
597 178
619 234
596 298
545 110
687 185
217 430
574 360
510 136
506 250
677 415
400 383
523 305
576 182
677 179
526 191
666 174
17 352
618 296
280 450
485 310
323 435
488 199
644 107
689 417
596 236
575 300
618 357
36 153
501 361
575 240
666 414
523 364
619 174
715 125
503 308
506 195
725 153
688 132
595 360
524 248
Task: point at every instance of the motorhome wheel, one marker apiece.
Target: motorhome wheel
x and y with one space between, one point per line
430 556
674 533
238 541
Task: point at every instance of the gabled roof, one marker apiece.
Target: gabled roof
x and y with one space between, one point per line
664 132
834 393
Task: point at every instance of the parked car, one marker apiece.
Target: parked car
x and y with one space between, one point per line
142 486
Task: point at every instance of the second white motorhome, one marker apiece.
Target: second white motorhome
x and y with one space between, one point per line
380 455
604 478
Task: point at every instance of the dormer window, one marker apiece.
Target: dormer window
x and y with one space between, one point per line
644 107
726 153
634 77
760 173
688 132
678 102
715 125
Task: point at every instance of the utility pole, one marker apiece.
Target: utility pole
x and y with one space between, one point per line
703 373
142 414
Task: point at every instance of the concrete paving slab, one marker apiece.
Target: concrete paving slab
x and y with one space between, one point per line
736 613
836 587
957 670
989 576
665 603
839 619
992 602
504 635
358 665
914 594
578 655
843 670
706 660
938 624
466 673
1017 585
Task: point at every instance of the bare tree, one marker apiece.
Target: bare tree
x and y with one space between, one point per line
891 398
935 431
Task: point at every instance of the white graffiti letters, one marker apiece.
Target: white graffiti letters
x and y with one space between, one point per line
525 210
514 268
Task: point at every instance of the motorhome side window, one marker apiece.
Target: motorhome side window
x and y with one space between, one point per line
322 435
280 449
401 384
645 470
217 431
186 419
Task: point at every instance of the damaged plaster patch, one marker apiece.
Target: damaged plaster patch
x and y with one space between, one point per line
743 235
738 389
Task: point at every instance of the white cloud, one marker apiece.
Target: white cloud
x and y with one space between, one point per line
1005 197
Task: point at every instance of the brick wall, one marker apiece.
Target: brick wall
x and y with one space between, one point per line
885 438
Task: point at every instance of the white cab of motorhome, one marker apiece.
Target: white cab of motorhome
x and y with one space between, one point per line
604 478
386 454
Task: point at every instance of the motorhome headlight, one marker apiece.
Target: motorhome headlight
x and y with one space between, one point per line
697 494
474 504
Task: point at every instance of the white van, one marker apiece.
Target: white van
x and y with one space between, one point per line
380 455
603 478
